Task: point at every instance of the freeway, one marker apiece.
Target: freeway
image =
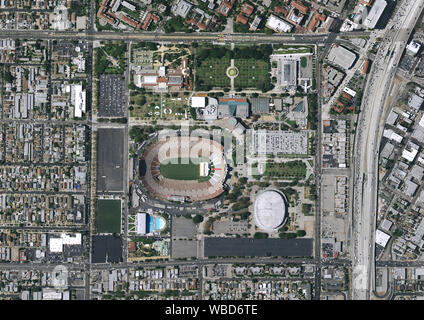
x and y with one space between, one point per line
370 125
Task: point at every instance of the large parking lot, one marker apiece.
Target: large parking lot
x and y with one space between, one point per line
244 247
110 161
183 227
111 96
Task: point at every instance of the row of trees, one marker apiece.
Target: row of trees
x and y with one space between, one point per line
261 52
140 134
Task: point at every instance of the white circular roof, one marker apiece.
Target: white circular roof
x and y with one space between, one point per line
269 210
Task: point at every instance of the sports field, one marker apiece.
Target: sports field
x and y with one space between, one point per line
108 216
180 171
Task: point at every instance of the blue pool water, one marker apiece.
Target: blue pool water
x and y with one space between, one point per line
159 224
150 224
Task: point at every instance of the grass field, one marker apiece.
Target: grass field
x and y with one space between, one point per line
252 73
180 171
212 72
108 216
288 49
149 106
287 170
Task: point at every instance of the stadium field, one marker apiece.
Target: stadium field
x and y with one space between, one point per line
180 170
108 216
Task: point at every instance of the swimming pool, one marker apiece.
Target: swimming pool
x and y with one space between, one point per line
156 224
159 223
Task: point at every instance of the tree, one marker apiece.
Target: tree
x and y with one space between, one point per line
397 233
300 233
197 219
8 76
260 235
287 235
193 113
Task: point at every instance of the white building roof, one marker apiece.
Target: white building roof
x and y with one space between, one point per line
413 47
415 102
162 71
278 24
71 239
128 6
141 223
381 238
350 92
386 225
198 102
56 244
409 154
342 57
390 134
375 13
51 294
79 100
393 116
150 79
182 8
269 210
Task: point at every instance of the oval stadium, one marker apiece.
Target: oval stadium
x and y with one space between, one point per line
184 169
270 210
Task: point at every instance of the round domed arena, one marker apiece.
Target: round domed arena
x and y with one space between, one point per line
270 210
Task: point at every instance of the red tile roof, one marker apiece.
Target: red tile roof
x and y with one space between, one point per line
149 19
241 19
365 69
302 8
232 99
278 9
228 4
314 21
247 9
131 22
202 26
347 96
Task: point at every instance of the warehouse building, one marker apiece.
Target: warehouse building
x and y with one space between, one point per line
375 13
381 238
78 99
342 57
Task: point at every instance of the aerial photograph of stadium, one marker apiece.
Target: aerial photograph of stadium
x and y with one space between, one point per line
213 155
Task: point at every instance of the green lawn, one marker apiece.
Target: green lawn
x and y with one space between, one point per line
179 171
252 73
287 170
287 49
108 216
212 73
